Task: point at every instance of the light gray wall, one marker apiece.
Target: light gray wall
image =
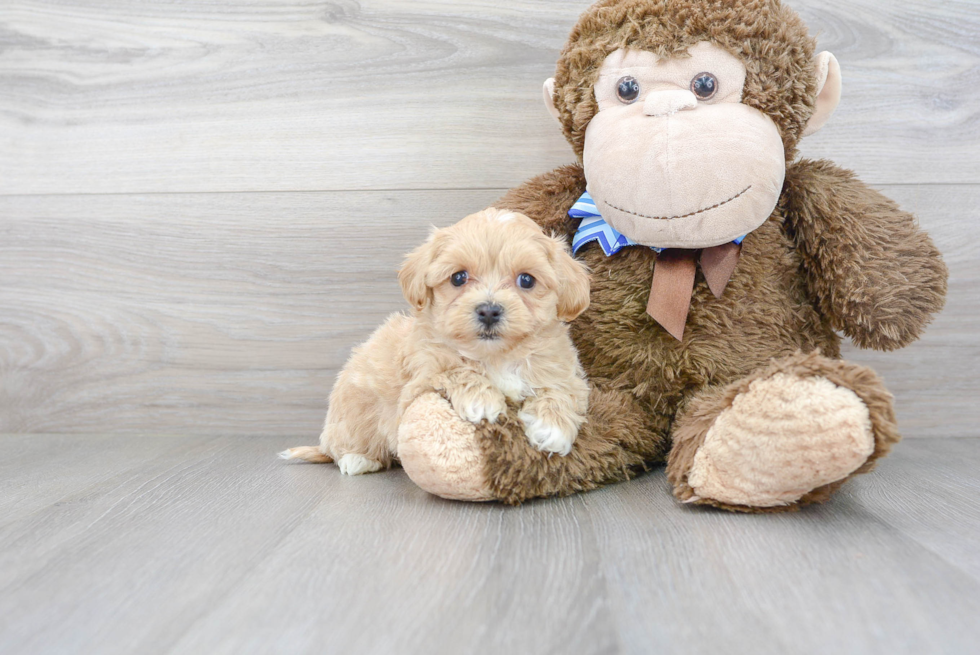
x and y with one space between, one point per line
202 205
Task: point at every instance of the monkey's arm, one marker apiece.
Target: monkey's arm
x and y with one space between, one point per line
547 198
869 268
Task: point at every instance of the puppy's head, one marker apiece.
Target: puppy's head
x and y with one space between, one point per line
493 279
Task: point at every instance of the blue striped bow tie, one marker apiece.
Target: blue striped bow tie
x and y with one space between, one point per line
594 228
673 276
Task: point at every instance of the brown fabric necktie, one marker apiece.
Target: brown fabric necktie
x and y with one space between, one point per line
673 282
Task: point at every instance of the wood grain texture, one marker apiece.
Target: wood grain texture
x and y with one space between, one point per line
101 96
231 313
212 545
208 314
202 205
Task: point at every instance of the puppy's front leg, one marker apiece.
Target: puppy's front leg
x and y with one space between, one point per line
551 420
472 395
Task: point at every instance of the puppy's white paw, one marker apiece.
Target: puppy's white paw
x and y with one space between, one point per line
354 464
545 436
476 409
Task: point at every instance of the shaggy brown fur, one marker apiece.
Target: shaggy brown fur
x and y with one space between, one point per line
611 447
868 266
770 310
834 255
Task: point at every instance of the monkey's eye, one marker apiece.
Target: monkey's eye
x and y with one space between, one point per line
627 89
525 281
459 278
704 86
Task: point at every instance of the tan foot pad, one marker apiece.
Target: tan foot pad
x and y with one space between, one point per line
440 452
782 438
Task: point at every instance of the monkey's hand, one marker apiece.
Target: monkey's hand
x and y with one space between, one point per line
869 268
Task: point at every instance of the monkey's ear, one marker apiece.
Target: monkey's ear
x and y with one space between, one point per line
549 97
411 275
828 92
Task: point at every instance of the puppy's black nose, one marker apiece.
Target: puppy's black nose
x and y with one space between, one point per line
489 313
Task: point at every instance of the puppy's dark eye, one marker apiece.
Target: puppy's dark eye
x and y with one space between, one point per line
627 89
459 278
525 281
704 86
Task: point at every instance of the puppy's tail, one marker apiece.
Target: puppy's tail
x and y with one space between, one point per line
307 454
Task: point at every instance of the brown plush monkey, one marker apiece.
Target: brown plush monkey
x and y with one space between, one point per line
711 339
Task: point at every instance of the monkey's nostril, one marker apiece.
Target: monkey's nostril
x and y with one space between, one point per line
489 313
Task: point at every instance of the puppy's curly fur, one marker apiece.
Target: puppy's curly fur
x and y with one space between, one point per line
491 296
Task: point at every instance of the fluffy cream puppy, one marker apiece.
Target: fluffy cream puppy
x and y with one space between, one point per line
490 298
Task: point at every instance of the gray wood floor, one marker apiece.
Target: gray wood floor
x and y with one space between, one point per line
202 205
212 545
231 313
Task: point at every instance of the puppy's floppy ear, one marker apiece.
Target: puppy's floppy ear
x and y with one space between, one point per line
412 273
573 280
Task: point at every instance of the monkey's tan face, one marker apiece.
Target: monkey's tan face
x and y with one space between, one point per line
673 159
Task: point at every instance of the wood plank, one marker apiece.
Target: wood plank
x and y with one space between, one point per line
213 545
158 553
936 502
231 313
140 312
102 96
32 477
899 62
159 546
823 581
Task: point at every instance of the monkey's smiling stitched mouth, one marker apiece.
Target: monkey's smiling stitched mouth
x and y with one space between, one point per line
695 213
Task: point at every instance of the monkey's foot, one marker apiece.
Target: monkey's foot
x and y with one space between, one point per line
780 439
786 436
439 451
